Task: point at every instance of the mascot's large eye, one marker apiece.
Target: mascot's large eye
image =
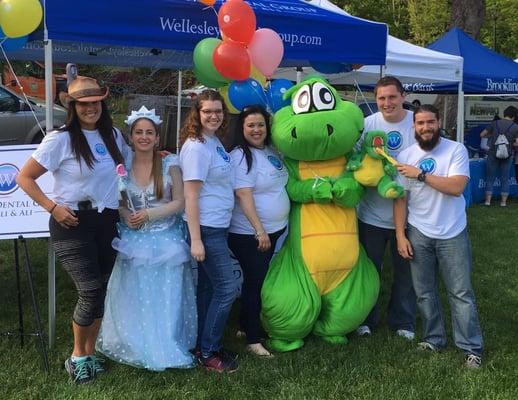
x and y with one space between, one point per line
302 100
323 98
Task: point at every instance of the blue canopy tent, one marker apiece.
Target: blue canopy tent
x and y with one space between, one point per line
485 71
164 32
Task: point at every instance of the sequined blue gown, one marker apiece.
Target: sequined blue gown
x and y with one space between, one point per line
150 307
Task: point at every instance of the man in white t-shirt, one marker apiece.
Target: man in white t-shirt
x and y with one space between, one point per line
434 172
375 225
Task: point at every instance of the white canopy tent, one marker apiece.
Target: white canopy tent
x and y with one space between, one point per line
418 69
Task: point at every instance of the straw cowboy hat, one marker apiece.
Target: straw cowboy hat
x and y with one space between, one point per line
83 89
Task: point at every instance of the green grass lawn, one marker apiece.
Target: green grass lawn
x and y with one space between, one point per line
380 367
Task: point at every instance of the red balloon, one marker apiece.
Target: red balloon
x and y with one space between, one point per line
232 60
236 19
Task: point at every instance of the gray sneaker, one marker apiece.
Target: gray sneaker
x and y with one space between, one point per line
425 346
473 361
80 371
406 334
363 330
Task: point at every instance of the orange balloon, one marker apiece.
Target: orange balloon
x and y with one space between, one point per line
209 3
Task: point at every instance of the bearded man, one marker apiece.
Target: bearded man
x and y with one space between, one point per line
434 172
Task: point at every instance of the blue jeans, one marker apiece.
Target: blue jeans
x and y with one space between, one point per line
217 289
402 306
452 257
501 168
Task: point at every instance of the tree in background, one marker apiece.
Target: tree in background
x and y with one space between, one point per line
392 12
500 31
428 20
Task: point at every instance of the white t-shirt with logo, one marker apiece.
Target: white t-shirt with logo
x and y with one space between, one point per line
435 214
268 178
374 209
73 181
210 163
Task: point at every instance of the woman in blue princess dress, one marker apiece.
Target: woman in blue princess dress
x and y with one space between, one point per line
150 308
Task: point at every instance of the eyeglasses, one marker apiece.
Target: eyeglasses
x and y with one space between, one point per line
211 112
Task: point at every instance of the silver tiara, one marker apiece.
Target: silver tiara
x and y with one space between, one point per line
143 113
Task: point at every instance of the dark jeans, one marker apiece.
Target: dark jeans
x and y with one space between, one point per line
254 264
217 289
402 305
86 254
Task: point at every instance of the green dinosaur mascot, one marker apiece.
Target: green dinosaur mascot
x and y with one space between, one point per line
372 166
321 280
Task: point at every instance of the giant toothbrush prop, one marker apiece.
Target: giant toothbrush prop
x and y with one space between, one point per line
321 281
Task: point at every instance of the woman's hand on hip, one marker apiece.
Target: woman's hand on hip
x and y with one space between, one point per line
65 216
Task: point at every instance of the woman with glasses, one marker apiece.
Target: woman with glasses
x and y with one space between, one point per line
260 215
209 200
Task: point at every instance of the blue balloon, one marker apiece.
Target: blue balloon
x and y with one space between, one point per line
276 91
325 67
246 93
10 44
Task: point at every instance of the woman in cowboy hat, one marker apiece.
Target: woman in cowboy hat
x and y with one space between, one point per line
83 205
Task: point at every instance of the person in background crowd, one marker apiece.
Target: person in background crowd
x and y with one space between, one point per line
209 201
496 166
83 208
434 172
150 318
260 215
375 225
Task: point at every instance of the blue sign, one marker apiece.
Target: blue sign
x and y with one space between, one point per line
8 174
394 140
275 162
100 149
310 30
221 151
427 165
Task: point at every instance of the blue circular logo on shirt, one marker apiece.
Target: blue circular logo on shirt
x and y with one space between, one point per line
221 151
394 140
8 174
100 149
275 162
427 165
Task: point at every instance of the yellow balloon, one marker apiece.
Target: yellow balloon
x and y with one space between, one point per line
256 74
223 91
19 17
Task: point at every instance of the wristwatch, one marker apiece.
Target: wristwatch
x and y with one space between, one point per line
422 176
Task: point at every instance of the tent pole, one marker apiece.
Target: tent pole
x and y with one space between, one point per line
178 110
460 114
49 124
445 112
49 96
299 74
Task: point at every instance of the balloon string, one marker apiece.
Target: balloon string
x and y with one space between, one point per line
27 101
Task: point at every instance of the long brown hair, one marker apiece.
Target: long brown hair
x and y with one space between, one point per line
192 126
79 144
156 169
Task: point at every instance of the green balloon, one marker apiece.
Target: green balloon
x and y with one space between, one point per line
203 64
204 80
